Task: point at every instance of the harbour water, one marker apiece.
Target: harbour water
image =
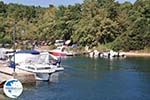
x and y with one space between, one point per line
94 79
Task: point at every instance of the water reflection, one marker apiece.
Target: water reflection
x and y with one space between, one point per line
91 64
55 77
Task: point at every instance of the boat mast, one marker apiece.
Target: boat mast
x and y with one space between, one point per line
14 47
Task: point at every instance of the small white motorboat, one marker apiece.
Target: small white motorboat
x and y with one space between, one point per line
42 71
36 62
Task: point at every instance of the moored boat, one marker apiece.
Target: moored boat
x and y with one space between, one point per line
41 71
37 63
61 51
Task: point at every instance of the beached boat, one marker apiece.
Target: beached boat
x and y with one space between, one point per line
94 54
112 54
61 51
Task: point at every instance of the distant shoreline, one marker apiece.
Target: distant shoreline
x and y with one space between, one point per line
130 53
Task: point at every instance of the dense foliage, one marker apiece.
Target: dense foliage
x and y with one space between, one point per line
95 22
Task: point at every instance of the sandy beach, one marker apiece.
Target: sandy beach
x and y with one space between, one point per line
137 54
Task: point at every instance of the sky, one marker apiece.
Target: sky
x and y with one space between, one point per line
45 3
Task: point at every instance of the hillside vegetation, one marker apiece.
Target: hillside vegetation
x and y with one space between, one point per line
94 23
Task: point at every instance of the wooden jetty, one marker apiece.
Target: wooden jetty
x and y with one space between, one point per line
24 76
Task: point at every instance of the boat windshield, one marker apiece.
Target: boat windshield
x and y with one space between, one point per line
43 58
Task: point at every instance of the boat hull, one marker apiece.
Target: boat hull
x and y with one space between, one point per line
59 69
42 76
58 53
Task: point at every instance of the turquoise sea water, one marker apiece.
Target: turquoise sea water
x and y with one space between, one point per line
94 79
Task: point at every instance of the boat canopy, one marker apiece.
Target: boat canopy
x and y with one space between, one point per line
34 52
